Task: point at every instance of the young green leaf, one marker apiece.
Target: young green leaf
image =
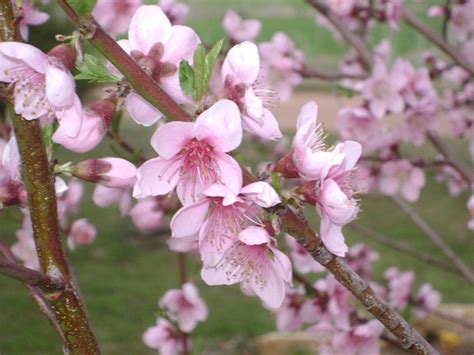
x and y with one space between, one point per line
95 70
211 58
116 121
82 7
186 77
199 87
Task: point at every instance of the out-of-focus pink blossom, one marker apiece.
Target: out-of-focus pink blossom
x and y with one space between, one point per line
193 155
176 12
360 339
342 7
114 15
105 196
436 11
25 248
426 301
184 244
256 263
30 16
399 286
382 90
460 22
185 306
110 172
240 72
400 176
470 208
360 257
240 30
393 10
288 316
165 338
158 47
301 259
220 215
81 233
455 182
146 215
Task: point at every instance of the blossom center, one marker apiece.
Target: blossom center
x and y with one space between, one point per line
152 62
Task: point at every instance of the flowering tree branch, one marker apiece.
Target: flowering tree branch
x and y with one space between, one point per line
290 222
323 75
435 238
39 184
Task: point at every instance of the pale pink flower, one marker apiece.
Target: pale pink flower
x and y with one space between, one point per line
69 200
114 15
302 261
220 215
400 176
147 215
393 10
96 120
30 16
43 85
105 196
342 7
426 301
25 248
256 263
11 161
436 11
382 90
240 72
288 316
360 258
158 47
399 286
470 208
81 233
176 12
184 244
165 338
193 155
460 22
185 306
455 182
360 339
240 30
110 172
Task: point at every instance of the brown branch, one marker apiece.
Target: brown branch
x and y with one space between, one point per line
350 38
438 40
39 184
435 238
408 337
447 17
318 74
382 239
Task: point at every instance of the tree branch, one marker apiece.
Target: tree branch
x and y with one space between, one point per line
318 74
435 238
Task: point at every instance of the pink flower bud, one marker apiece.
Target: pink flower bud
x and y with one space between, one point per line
95 122
110 172
81 233
12 193
65 54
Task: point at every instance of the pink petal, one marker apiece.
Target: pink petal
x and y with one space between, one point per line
170 138
335 203
70 119
32 56
141 110
308 113
230 172
352 151
188 220
60 86
242 63
268 129
218 190
122 173
262 193
181 45
254 235
157 177
149 25
377 108
332 237
231 21
173 88
220 126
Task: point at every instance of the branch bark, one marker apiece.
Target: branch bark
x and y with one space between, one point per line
39 183
408 337
435 238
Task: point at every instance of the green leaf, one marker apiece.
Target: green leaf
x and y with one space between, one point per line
276 182
186 77
199 65
211 58
82 7
116 121
94 70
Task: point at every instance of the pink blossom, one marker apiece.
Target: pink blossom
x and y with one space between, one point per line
110 172
360 257
146 215
96 120
455 182
399 286
25 248
185 306
184 244
44 87
426 301
105 196
81 233
256 263
470 208
176 12
240 30
399 176
461 23
11 161
240 72
288 316
158 47
30 16
360 339
69 201
342 7
114 15
382 91
165 338
301 259
221 215
436 11
192 155
393 10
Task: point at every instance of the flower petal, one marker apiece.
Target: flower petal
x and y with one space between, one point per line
181 45
188 220
60 86
170 138
254 235
32 56
261 193
242 63
268 128
141 110
332 237
157 177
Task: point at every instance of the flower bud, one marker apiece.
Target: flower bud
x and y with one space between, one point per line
95 122
110 172
12 193
65 54
81 233
147 215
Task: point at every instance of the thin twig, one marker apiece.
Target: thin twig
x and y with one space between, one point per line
323 75
435 238
447 17
382 239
